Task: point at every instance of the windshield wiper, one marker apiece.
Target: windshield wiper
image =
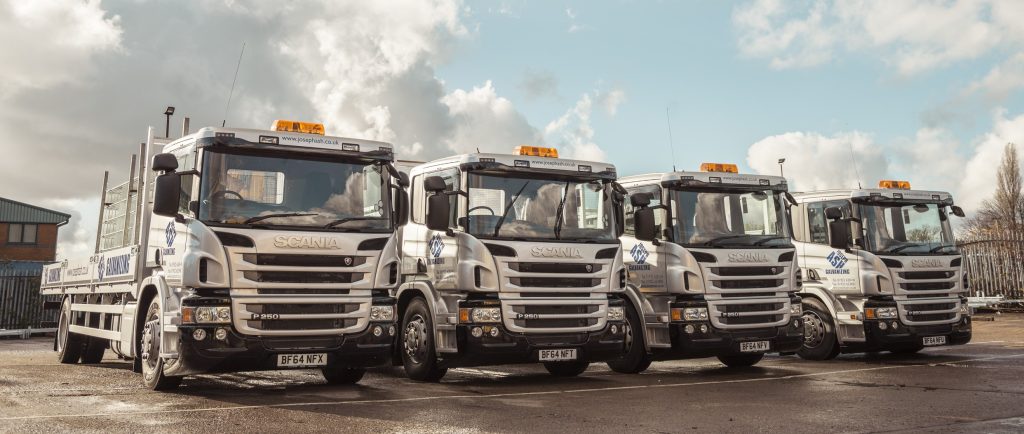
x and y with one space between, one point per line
761 242
497 226
713 242
558 213
901 248
350 219
940 247
269 216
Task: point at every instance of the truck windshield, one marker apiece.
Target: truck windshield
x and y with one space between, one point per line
906 229
519 207
717 218
293 190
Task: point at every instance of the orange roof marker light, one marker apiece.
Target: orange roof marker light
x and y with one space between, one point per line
298 127
891 184
535 151
719 167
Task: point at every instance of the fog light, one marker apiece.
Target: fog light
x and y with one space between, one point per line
495 332
391 331
895 325
615 329
221 334
199 334
796 323
882 326
688 329
703 328
476 332
377 331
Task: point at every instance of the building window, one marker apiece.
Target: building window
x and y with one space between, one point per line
18 233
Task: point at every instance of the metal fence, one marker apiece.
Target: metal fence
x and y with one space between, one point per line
994 262
21 304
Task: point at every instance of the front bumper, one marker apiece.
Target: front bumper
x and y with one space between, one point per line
509 348
909 337
694 339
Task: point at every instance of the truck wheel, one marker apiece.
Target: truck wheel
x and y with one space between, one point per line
419 356
741 360
635 360
343 374
566 369
820 342
94 349
69 345
152 364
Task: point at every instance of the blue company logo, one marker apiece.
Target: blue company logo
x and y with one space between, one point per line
436 245
170 233
101 267
837 259
639 254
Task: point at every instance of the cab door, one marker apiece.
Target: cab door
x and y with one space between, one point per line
837 269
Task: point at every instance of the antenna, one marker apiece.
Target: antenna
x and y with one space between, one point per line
232 91
856 170
671 146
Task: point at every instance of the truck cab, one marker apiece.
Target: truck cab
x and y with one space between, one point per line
511 259
255 249
712 270
881 270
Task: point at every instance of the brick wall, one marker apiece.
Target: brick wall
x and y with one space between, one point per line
45 248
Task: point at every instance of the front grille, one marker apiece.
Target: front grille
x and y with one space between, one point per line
304 260
748 284
926 286
754 307
555 282
549 267
554 315
302 291
938 311
747 271
748 294
557 309
931 306
302 324
932 317
924 275
555 323
302 276
747 320
555 294
308 309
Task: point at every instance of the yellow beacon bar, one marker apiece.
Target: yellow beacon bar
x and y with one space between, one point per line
898 185
535 151
298 127
719 167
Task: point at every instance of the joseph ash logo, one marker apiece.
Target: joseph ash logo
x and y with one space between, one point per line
639 254
837 259
436 245
170 233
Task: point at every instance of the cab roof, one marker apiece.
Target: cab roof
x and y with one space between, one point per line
283 139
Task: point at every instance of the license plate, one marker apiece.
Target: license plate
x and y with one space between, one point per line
556 355
755 347
933 340
301 360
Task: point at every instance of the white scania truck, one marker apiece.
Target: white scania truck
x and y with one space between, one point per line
240 249
511 259
881 270
712 270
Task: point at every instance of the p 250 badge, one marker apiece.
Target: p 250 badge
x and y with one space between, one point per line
264 316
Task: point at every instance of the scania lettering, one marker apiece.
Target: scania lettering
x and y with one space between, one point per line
712 271
511 259
881 270
236 249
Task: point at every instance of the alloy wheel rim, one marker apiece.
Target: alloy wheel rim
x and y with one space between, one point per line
814 330
415 339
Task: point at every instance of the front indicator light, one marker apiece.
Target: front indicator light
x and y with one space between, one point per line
616 313
382 313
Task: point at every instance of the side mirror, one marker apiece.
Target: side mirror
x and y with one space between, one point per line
839 233
434 184
401 207
165 163
957 211
640 200
643 224
403 179
833 213
438 211
167 194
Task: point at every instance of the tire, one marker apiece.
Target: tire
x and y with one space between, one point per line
94 349
152 364
636 359
908 350
736 361
566 369
419 354
68 345
343 374
820 341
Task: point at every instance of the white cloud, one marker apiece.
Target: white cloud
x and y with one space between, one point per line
573 134
612 99
485 121
1001 81
52 42
573 25
815 161
979 172
913 35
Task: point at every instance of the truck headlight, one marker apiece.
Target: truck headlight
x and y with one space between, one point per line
880 313
382 313
616 313
486 314
206 314
796 309
690 314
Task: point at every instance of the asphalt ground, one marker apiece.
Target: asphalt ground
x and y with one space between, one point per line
971 388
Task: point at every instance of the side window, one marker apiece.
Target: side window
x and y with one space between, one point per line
816 223
416 199
798 220
659 215
452 182
186 162
419 196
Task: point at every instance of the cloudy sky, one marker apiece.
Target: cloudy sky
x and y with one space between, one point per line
924 90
